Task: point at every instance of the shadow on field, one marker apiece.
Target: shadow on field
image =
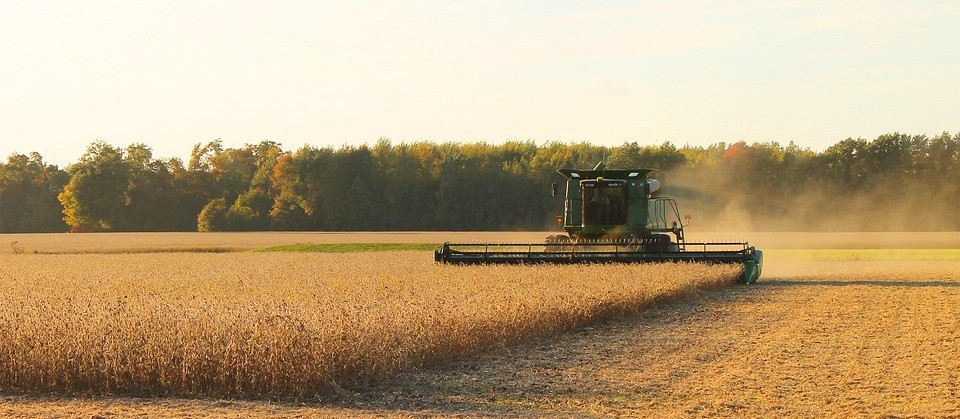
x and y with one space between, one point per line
857 283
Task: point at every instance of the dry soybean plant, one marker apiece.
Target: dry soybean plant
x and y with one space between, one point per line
301 326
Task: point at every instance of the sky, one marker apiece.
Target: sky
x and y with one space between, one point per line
175 73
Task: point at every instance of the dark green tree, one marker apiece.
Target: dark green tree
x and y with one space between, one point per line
213 216
94 198
28 195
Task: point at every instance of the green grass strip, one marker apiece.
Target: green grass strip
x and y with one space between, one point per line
347 247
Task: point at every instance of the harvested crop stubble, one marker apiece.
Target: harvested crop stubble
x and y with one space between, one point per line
288 325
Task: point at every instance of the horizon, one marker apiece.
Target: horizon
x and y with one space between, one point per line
331 74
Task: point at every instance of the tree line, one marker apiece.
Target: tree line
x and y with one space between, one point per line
894 182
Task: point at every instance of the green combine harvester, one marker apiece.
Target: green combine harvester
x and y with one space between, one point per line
612 216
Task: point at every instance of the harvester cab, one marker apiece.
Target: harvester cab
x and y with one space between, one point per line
620 205
612 216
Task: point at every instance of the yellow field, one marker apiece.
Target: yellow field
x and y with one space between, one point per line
147 242
132 242
840 255
811 339
288 325
858 327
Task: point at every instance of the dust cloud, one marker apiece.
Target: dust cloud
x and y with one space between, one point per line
718 201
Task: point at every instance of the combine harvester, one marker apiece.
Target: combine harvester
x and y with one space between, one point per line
612 216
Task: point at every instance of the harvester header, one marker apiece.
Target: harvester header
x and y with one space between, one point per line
612 216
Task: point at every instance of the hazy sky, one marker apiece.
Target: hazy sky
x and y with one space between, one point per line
171 74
